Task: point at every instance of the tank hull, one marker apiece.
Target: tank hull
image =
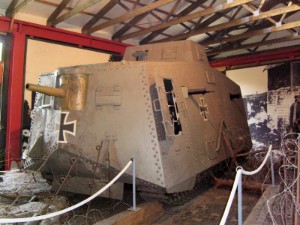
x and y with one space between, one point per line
142 110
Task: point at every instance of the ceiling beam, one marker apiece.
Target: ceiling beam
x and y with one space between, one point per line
136 19
128 26
253 33
284 15
99 15
57 11
252 9
236 22
137 3
132 14
256 44
11 7
195 15
20 6
73 12
266 7
82 12
184 12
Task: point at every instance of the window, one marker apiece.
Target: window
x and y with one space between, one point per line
172 105
141 55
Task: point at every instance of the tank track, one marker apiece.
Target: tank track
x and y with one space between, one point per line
203 183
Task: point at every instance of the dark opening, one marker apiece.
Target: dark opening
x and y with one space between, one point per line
173 108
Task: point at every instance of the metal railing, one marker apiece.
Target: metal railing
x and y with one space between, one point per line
54 214
238 184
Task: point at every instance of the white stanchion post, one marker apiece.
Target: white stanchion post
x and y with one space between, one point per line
231 197
238 184
240 201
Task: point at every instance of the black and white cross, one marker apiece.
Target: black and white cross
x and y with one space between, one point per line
66 127
203 108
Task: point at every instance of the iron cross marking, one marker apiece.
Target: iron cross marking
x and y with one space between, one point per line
203 108
66 127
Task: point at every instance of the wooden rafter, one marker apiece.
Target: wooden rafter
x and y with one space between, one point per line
261 4
266 7
82 12
173 9
195 15
203 21
123 6
284 15
19 7
130 15
11 7
137 3
46 2
99 15
57 11
254 33
252 9
129 25
73 12
236 22
264 39
210 20
184 12
256 44
136 19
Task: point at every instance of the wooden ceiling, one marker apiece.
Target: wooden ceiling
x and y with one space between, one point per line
225 27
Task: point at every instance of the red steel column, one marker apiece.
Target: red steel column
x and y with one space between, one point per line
15 98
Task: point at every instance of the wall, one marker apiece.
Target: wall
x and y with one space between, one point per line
43 57
267 101
251 80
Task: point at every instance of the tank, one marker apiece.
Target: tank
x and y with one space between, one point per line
162 105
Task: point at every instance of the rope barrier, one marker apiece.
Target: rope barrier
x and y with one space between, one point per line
50 215
237 179
261 165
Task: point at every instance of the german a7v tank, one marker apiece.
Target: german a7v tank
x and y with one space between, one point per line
163 105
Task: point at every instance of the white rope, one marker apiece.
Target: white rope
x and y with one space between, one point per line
261 165
50 215
239 173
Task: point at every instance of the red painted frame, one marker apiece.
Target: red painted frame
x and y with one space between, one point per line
19 31
258 59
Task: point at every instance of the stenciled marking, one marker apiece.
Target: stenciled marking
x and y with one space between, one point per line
203 109
66 127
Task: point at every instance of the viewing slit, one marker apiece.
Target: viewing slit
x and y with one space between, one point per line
172 105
